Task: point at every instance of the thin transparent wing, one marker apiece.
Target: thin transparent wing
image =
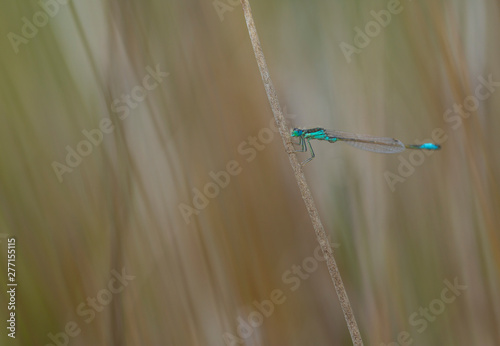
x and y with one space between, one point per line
370 143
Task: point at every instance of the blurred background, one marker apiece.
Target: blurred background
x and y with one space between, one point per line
153 203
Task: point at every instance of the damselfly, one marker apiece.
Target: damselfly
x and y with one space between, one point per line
365 142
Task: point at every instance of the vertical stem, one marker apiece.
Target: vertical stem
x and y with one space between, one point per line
301 181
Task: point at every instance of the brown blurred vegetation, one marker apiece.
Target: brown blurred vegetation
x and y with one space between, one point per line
119 209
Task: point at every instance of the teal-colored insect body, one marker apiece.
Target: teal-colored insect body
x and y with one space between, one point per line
365 142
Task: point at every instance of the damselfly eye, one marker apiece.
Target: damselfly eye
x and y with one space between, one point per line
296 132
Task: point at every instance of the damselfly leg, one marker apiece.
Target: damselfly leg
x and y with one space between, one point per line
303 144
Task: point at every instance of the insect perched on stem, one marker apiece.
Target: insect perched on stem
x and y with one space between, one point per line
384 145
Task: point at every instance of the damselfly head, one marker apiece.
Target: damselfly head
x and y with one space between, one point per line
297 132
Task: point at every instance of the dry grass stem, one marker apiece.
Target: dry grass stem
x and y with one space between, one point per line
299 175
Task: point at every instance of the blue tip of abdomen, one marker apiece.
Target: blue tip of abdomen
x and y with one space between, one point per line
430 146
